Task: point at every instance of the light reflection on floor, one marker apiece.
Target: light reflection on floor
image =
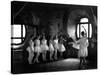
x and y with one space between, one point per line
59 65
66 64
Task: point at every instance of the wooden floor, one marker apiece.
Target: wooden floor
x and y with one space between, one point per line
61 65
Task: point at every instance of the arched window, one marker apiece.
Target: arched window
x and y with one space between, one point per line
84 25
84 20
17 35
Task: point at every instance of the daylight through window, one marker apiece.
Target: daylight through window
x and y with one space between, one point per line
85 26
17 34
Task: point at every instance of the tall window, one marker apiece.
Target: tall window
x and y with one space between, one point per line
17 35
84 25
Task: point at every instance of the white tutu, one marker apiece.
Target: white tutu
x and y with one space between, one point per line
37 49
44 47
56 45
61 48
51 48
29 49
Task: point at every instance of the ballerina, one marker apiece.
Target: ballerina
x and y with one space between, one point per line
56 46
37 49
51 48
30 50
61 46
44 48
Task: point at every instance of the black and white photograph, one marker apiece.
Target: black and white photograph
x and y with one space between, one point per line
53 37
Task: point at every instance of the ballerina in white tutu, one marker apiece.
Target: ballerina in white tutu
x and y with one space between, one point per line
51 48
37 48
56 46
61 46
44 48
30 50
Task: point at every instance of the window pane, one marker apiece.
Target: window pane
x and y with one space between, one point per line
84 27
16 46
16 31
84 20
11 31
16 41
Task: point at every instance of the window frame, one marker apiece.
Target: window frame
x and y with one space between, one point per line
21 38
79 23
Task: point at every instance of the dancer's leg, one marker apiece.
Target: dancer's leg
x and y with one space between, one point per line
43 56
84 61
55 56
37 56
81 62
31 55
51 54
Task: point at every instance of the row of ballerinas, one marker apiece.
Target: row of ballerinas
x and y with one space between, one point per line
38 47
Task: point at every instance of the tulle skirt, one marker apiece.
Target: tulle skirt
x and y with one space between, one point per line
37 49
51 48
61 48
29 49
44 48
56 46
